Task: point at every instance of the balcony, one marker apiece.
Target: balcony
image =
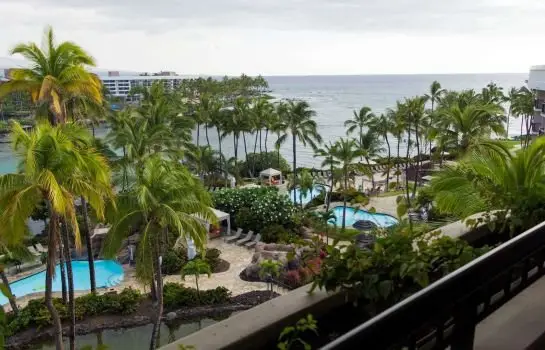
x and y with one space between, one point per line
494 302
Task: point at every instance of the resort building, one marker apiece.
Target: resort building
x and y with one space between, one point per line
120 85
536 82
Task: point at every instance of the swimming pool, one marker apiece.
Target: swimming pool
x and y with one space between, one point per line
353 215
309 196
108 273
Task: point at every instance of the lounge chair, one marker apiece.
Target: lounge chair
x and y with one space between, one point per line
40 248
246 239
33 251
254 242
235 237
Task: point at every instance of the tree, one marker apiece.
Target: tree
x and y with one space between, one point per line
345 151
434 96
511 96
165 197
328 153
48 154
268 271
204 161
382 125
297 121
196 267
523 105
370 147
56 72
414 109
398 127
306 185
492 177
360 120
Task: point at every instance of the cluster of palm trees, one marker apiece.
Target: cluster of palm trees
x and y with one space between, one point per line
60 161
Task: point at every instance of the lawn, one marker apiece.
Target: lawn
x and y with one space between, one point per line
510 143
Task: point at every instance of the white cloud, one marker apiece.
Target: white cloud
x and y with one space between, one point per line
289 36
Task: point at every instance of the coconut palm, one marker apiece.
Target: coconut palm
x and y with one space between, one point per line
345 151
196 267
56 165
511 96
297 121
434 96
360 120
306 185
164 198
56 72
523 106
328 153
397 122
492 177
278 127
382 125
369 148
204 161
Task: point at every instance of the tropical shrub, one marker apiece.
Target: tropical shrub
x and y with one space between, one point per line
175 259
177 295
277 234
396 266
35 314
255 208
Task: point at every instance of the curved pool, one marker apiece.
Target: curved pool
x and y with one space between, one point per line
108 273
309 196
354 215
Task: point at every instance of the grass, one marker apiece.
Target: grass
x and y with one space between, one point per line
391 193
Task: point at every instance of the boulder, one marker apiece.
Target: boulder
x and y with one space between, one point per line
170 316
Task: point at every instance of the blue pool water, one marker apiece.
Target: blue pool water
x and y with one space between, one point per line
108 273
309 196
353 215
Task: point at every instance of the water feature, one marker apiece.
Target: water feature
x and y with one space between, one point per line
137 338
108 273
354 215
308 196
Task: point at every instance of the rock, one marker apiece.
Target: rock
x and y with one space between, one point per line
170 316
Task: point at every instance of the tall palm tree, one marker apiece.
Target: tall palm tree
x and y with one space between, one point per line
204 160
328 153
370 147
279 127
297 121
218 117
306 185
165 198
511 96
435 94
56 72
360 120
48 154
523 105
397 122
382 125
414 111
345 151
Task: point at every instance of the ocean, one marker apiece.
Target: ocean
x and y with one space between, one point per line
334 98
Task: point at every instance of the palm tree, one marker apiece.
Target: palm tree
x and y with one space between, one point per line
382 125
468 122
398 122
217 120
370 147
328 153
492 177
345 151
434 96
196 267
523 105
306 185
48 154
278 126
414 111
297 121
360 120
511 96
204 161
56 72
164 198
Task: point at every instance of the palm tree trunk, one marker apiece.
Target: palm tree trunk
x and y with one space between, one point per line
221 156
266 150
245 148
62 264
294 167
235 146
330 191
49 272
344 196
388 167
398 160
90 258
521 126
407 169
65 232
372 174
417 165
197 286
253 160
159 307
198 133
11 298
206 134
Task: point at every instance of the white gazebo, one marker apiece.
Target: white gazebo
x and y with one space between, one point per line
271 176
220 216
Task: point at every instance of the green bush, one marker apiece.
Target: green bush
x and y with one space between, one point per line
177 295
255 208
35 314
173 261
278 234
212 257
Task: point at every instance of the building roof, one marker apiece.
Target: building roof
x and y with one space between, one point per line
270 172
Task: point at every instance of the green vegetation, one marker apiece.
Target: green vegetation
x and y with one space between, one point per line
177 296
196 267
292 335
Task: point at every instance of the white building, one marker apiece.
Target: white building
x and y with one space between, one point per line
536 82
121 85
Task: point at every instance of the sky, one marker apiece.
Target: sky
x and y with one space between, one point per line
289 37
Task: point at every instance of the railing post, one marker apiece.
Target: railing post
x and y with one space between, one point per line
465 321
